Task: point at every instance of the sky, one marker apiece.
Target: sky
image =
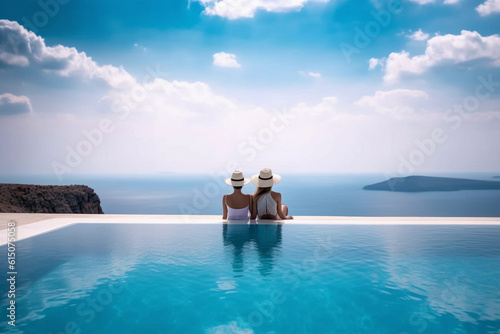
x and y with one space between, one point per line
301 86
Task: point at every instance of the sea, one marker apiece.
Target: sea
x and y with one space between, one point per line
305 195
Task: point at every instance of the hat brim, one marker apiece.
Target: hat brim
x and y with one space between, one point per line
230 182
266 183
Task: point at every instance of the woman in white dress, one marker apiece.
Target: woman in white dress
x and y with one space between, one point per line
237 205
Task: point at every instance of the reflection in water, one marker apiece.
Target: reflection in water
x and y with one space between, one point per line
237 235
265 238
334 279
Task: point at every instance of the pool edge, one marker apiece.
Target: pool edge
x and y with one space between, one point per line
29 225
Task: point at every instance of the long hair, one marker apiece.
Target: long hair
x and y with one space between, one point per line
260 192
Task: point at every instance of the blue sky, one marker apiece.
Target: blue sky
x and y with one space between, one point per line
226 68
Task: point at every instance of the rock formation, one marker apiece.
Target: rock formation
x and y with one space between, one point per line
429 183
48 199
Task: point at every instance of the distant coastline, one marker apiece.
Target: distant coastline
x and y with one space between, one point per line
430 183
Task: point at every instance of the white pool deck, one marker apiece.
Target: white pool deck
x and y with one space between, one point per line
29 225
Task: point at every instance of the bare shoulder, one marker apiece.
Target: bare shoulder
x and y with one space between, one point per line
275 195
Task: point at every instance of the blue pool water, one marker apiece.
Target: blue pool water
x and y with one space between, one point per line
122 278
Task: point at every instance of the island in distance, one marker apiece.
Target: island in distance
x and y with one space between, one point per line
431 183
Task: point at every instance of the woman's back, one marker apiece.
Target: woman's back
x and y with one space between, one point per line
267 205
238 205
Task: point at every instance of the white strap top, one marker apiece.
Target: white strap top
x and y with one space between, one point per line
240 214
266 205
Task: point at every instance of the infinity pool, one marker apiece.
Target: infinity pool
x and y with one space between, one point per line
249 278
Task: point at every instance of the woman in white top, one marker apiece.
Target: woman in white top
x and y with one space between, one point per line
237 205
267 203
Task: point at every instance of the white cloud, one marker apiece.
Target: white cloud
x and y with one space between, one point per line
12 104
315 75
422 2
447 49
158 95
327 106
235 9
374 62
153 117
425 2
140 47
488 7
184 99
175 125
397 102
419 35
223 59
22 48
176 101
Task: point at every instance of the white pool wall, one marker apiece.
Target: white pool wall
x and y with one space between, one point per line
29 225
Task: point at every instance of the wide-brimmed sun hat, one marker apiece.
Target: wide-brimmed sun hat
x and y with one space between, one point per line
237 179
265 178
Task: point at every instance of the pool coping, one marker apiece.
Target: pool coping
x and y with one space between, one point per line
29 225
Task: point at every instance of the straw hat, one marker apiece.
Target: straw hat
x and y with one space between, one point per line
237 179
266 178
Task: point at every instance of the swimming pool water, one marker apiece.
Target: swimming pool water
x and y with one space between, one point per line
249 278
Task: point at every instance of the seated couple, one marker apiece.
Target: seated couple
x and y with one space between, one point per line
264 204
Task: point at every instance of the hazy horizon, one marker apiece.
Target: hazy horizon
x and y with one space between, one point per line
218 177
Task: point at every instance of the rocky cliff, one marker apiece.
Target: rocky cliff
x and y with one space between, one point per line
48 199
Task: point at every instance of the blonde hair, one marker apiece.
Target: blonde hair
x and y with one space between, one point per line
260 191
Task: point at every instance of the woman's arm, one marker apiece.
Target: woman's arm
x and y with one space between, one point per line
280 211
224 207
253 208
